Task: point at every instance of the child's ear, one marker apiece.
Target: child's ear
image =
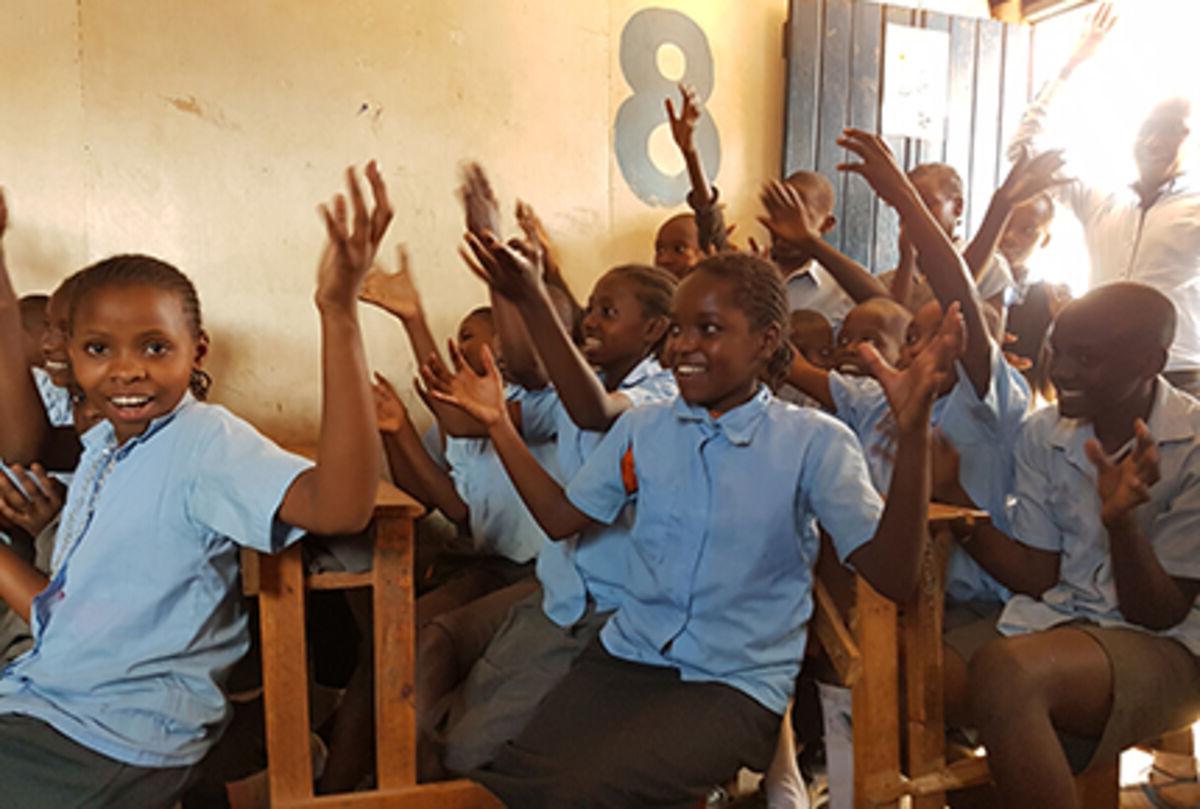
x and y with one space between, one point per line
769 341
959 206
655 329
827 223
201 349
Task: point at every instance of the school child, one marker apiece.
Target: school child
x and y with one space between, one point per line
33 327
810 334
1097 649
688 680
677 245
583 579
709 218
140 621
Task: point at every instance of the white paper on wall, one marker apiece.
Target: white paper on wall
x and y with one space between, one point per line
915 70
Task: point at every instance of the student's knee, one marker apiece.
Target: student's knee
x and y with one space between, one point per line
1000 681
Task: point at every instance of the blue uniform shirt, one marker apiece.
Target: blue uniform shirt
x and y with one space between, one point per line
593 562
500 522
56 400
725 536
142 618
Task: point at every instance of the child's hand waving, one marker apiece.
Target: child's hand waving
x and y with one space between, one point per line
512 270
1030 176
390 412
392 292
352 244
878 167
789 218
911 392
535 234
480 396
1125 484
683 125
479 201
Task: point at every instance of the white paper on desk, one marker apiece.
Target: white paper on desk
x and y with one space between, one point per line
839 744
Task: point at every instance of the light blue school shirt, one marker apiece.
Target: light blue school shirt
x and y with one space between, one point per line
56 400
725 535
812 287
862 404
1057 509
500 523
142 619
592 563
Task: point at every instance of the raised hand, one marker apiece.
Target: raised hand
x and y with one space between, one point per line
393 292
1030 176
535 234
683 125
1125 484
480 396
878 167
479 201
33 505
352 245
911 392
390 413
512 270
789 217
1098 28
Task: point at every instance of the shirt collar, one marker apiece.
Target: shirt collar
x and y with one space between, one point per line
1170 420
738 425
103 436
645 369
807 269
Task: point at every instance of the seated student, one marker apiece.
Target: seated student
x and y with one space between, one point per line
583 580
1032 304
880 322
677 245
688 680
810 334
1097 651
709 221
120 696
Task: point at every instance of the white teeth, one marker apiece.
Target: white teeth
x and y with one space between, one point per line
129 401
55 365
590 342
688 370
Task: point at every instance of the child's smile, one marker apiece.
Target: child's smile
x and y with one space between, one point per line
133 351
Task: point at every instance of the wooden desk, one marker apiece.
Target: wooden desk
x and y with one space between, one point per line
280 583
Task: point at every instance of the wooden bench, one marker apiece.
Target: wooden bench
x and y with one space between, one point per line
280 582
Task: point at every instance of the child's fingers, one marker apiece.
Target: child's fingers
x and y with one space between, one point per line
483 253
358 205
456 357
12 496
873 361
386 384
671 112
402 258
34 492
489 363
1095 454
382 214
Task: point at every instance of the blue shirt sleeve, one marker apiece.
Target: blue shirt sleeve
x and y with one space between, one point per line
1031 519
539 415
855 399
240 482
837 488
598 488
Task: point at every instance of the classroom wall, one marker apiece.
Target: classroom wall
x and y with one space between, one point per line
206 133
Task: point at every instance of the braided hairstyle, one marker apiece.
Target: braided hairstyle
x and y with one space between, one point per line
759 293
654 288
139 270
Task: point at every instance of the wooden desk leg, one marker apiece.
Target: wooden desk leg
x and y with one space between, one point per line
923 667
285 676
395 654
875 698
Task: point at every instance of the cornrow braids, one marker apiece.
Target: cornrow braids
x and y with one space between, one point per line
759 293
134 269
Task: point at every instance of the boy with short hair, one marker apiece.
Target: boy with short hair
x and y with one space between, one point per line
1099 645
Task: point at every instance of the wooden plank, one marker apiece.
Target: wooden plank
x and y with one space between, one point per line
285 676
250 571
803 85
921 634
986 141
339 580
835 637
875 698
858 210
967 772
959 104
395 653
443 795
833 111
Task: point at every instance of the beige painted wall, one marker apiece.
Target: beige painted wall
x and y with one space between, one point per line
206 133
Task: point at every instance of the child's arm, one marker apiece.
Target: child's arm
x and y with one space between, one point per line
790 220
514 276
337 495
891 560
938 259
397 294
483 398
1026 179
710 224
906 268
535 235
408 457
810 380
1146 594
19 580
21 413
